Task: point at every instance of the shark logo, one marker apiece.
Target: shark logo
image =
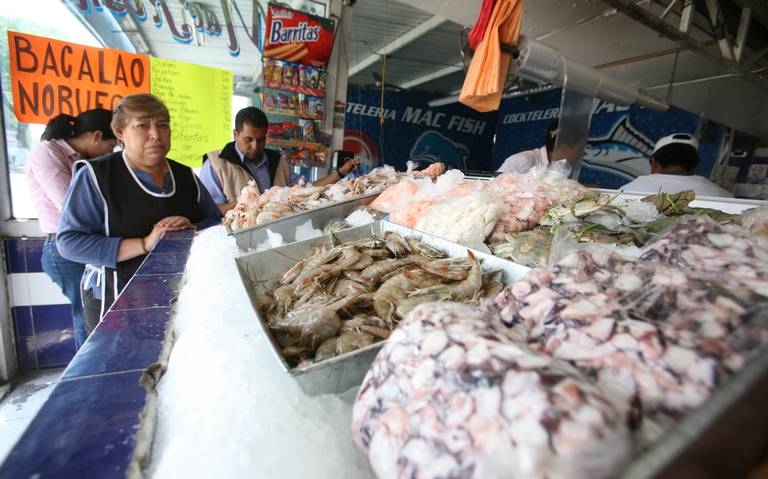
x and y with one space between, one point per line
432 147
623 152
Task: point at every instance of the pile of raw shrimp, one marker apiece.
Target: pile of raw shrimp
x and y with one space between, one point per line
254 209
568 370
348 296
472 212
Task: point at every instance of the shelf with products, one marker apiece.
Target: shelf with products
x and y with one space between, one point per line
294 105
299 144
294 77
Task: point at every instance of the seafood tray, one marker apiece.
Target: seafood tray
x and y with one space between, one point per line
286 226
340 373
726 205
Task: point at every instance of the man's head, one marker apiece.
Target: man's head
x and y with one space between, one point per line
676 153
251 132
571 144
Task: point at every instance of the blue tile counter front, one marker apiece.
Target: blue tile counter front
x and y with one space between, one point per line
42 319
90 424
85 429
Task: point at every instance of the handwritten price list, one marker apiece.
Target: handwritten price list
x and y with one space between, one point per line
200 101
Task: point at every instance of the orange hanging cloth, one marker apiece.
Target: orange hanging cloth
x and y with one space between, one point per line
487 73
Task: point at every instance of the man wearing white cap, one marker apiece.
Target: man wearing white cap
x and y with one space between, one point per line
673 165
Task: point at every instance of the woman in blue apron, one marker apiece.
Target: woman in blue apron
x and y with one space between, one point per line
120 205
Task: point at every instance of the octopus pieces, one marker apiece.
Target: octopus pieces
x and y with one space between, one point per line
658 339
731 254
456 393
566 370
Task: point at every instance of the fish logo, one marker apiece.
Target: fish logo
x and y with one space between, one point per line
433 147
624 151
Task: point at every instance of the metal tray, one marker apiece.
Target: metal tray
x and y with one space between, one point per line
338 374
286 226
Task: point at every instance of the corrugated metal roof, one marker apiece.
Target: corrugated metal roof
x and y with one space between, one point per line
374 26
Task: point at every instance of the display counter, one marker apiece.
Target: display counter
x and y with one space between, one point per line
179 380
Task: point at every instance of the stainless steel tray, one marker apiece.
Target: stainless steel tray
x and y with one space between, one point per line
342 372
286 226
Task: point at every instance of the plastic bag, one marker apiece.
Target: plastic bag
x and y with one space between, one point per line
730 253
527 197
396 195
529 248
638 329
467 220
756 220
412 212
448 375
433 170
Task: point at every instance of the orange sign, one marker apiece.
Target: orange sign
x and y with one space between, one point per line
50 77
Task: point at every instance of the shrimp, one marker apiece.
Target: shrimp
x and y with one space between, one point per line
349 257
319 274
424 249
393 290
377 270
461 290
282 296
314 323
292 273
364 261
453 269
327 350
492 284
356 276
264 303
397 287
352 341
407 304
369 243
396 243
318 260
345 287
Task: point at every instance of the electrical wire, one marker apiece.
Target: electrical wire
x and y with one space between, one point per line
668 98
383 78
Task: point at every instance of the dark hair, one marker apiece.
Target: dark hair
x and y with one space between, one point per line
251 115
551 138
64 126
677 154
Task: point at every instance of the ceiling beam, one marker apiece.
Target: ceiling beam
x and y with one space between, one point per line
759 9
718 25
741 33
408 37
686 17
432 76
653 22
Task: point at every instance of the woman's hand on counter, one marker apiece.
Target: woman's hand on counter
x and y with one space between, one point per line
174 223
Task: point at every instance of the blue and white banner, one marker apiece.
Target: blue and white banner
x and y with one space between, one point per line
620 141
412 130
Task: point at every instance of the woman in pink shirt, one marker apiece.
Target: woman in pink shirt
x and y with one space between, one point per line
65 140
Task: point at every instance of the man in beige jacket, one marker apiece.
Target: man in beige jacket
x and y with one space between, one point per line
225 172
